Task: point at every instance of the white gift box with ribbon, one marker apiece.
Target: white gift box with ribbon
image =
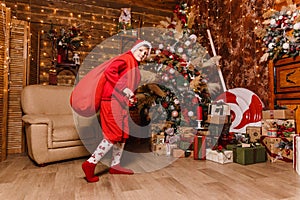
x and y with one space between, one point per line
296 150
219 157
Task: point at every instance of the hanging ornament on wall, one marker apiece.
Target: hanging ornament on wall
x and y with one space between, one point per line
124 20
76 59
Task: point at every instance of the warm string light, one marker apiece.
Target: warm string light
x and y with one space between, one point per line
207 14
242 27
94 18
243 43
230 23
7 58
230 31
256 68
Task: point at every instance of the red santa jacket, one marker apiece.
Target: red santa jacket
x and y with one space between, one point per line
105 82
118 77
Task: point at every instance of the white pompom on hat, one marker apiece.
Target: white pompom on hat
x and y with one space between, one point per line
140 43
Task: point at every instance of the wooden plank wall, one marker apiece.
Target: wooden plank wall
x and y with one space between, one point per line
97 19
4 72
19 38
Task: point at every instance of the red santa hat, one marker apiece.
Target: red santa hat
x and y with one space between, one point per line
140 43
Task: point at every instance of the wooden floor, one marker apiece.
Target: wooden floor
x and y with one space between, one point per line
184 178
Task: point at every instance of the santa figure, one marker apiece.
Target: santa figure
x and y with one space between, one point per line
108 89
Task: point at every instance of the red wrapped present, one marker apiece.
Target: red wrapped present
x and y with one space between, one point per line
200 147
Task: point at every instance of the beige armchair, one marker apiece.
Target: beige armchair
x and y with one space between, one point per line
50 130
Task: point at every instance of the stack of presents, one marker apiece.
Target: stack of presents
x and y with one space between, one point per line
270 141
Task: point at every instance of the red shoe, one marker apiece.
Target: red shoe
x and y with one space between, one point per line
117 169
89 169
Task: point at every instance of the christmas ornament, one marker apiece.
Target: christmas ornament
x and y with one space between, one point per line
190 113
174 113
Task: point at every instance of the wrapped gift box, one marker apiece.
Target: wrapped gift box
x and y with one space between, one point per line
230 146
219 109
254 133
211 141
189 153
249 155
219 157
218 129
218 119
163 149
159 149
157 139
186 141
203 132
285 127
199 147
276 154
186 130
157 128
278 114
187 137
184 145
157 144
296 154
278 149
178 153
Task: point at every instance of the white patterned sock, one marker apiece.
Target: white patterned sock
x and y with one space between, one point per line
117 153
100 151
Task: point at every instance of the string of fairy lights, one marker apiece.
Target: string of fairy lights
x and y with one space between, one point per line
6 50
98 21
218 26
230 33
107 23
248 11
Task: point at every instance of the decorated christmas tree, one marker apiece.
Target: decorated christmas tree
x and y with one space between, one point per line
180 63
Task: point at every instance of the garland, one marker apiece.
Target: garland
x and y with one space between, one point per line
280 33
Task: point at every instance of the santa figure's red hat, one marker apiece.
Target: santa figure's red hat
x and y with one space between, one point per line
140 43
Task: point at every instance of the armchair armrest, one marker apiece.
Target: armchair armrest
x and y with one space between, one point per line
36 119
40 119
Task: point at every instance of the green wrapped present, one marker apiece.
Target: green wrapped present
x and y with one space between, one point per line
249 155
230 146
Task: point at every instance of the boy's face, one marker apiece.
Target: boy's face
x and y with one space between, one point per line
141 53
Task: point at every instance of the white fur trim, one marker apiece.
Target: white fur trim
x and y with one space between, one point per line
143 43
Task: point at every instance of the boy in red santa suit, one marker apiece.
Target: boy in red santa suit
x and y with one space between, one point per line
118 81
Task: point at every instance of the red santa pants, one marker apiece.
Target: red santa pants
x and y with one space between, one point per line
114 121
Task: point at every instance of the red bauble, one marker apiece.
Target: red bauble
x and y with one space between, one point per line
165 104
195 100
